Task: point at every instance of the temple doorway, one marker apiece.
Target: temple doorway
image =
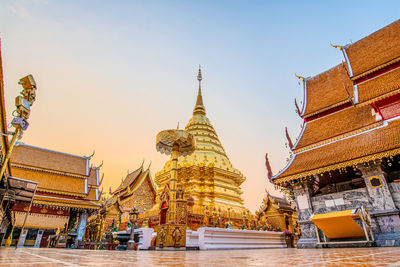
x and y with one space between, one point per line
163 212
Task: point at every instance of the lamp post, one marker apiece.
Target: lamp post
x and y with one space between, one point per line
23 104
133 216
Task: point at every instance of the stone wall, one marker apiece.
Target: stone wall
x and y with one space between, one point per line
339 201
395 191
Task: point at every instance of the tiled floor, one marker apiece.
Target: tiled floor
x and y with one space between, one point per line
264 257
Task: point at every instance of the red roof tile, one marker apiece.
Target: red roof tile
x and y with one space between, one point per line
360 148
327 90
31 156
336 124
374 50
379 86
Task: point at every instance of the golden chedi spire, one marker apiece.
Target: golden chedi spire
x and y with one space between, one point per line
207 175
199 107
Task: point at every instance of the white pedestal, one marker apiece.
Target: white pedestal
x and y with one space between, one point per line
218 238
145 237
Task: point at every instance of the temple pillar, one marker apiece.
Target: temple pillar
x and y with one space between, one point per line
304 207
81 226
385 215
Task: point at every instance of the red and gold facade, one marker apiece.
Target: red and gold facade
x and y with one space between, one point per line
67 192
350 136
136 190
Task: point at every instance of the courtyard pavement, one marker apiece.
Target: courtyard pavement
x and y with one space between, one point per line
261 257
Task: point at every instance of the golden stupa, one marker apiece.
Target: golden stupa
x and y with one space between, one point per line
210 182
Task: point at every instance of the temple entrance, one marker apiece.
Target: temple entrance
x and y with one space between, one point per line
163 212
45 238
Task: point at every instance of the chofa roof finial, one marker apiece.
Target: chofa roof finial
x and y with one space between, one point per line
288 138
91 156
337 46
299 77
268 165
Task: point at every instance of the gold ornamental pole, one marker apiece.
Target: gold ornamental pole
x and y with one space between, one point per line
172 182
173 232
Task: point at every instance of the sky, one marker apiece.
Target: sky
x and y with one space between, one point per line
112 74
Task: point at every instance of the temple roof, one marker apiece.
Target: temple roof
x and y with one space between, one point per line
375 50
335 125
338 131
133 180
283 202
42 158
53 182
65 202
277 202
327 90
382 141
380 87
93 178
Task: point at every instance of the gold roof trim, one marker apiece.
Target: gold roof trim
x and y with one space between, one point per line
63 202
60 192
43 202
336 138
375 69
368 158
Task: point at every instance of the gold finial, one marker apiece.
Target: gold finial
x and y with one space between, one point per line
199 77
337 46
297 107
199 107
91 156
101 164
299 77
101 181
288 139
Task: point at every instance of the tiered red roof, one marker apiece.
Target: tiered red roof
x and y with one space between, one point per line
335 125
340 131
64 180
369 145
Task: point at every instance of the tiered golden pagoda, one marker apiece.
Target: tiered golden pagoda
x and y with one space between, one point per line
210 182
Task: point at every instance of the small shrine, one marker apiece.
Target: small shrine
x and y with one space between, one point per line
277 213
136 190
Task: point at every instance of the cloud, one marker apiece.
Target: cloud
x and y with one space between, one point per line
20 7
